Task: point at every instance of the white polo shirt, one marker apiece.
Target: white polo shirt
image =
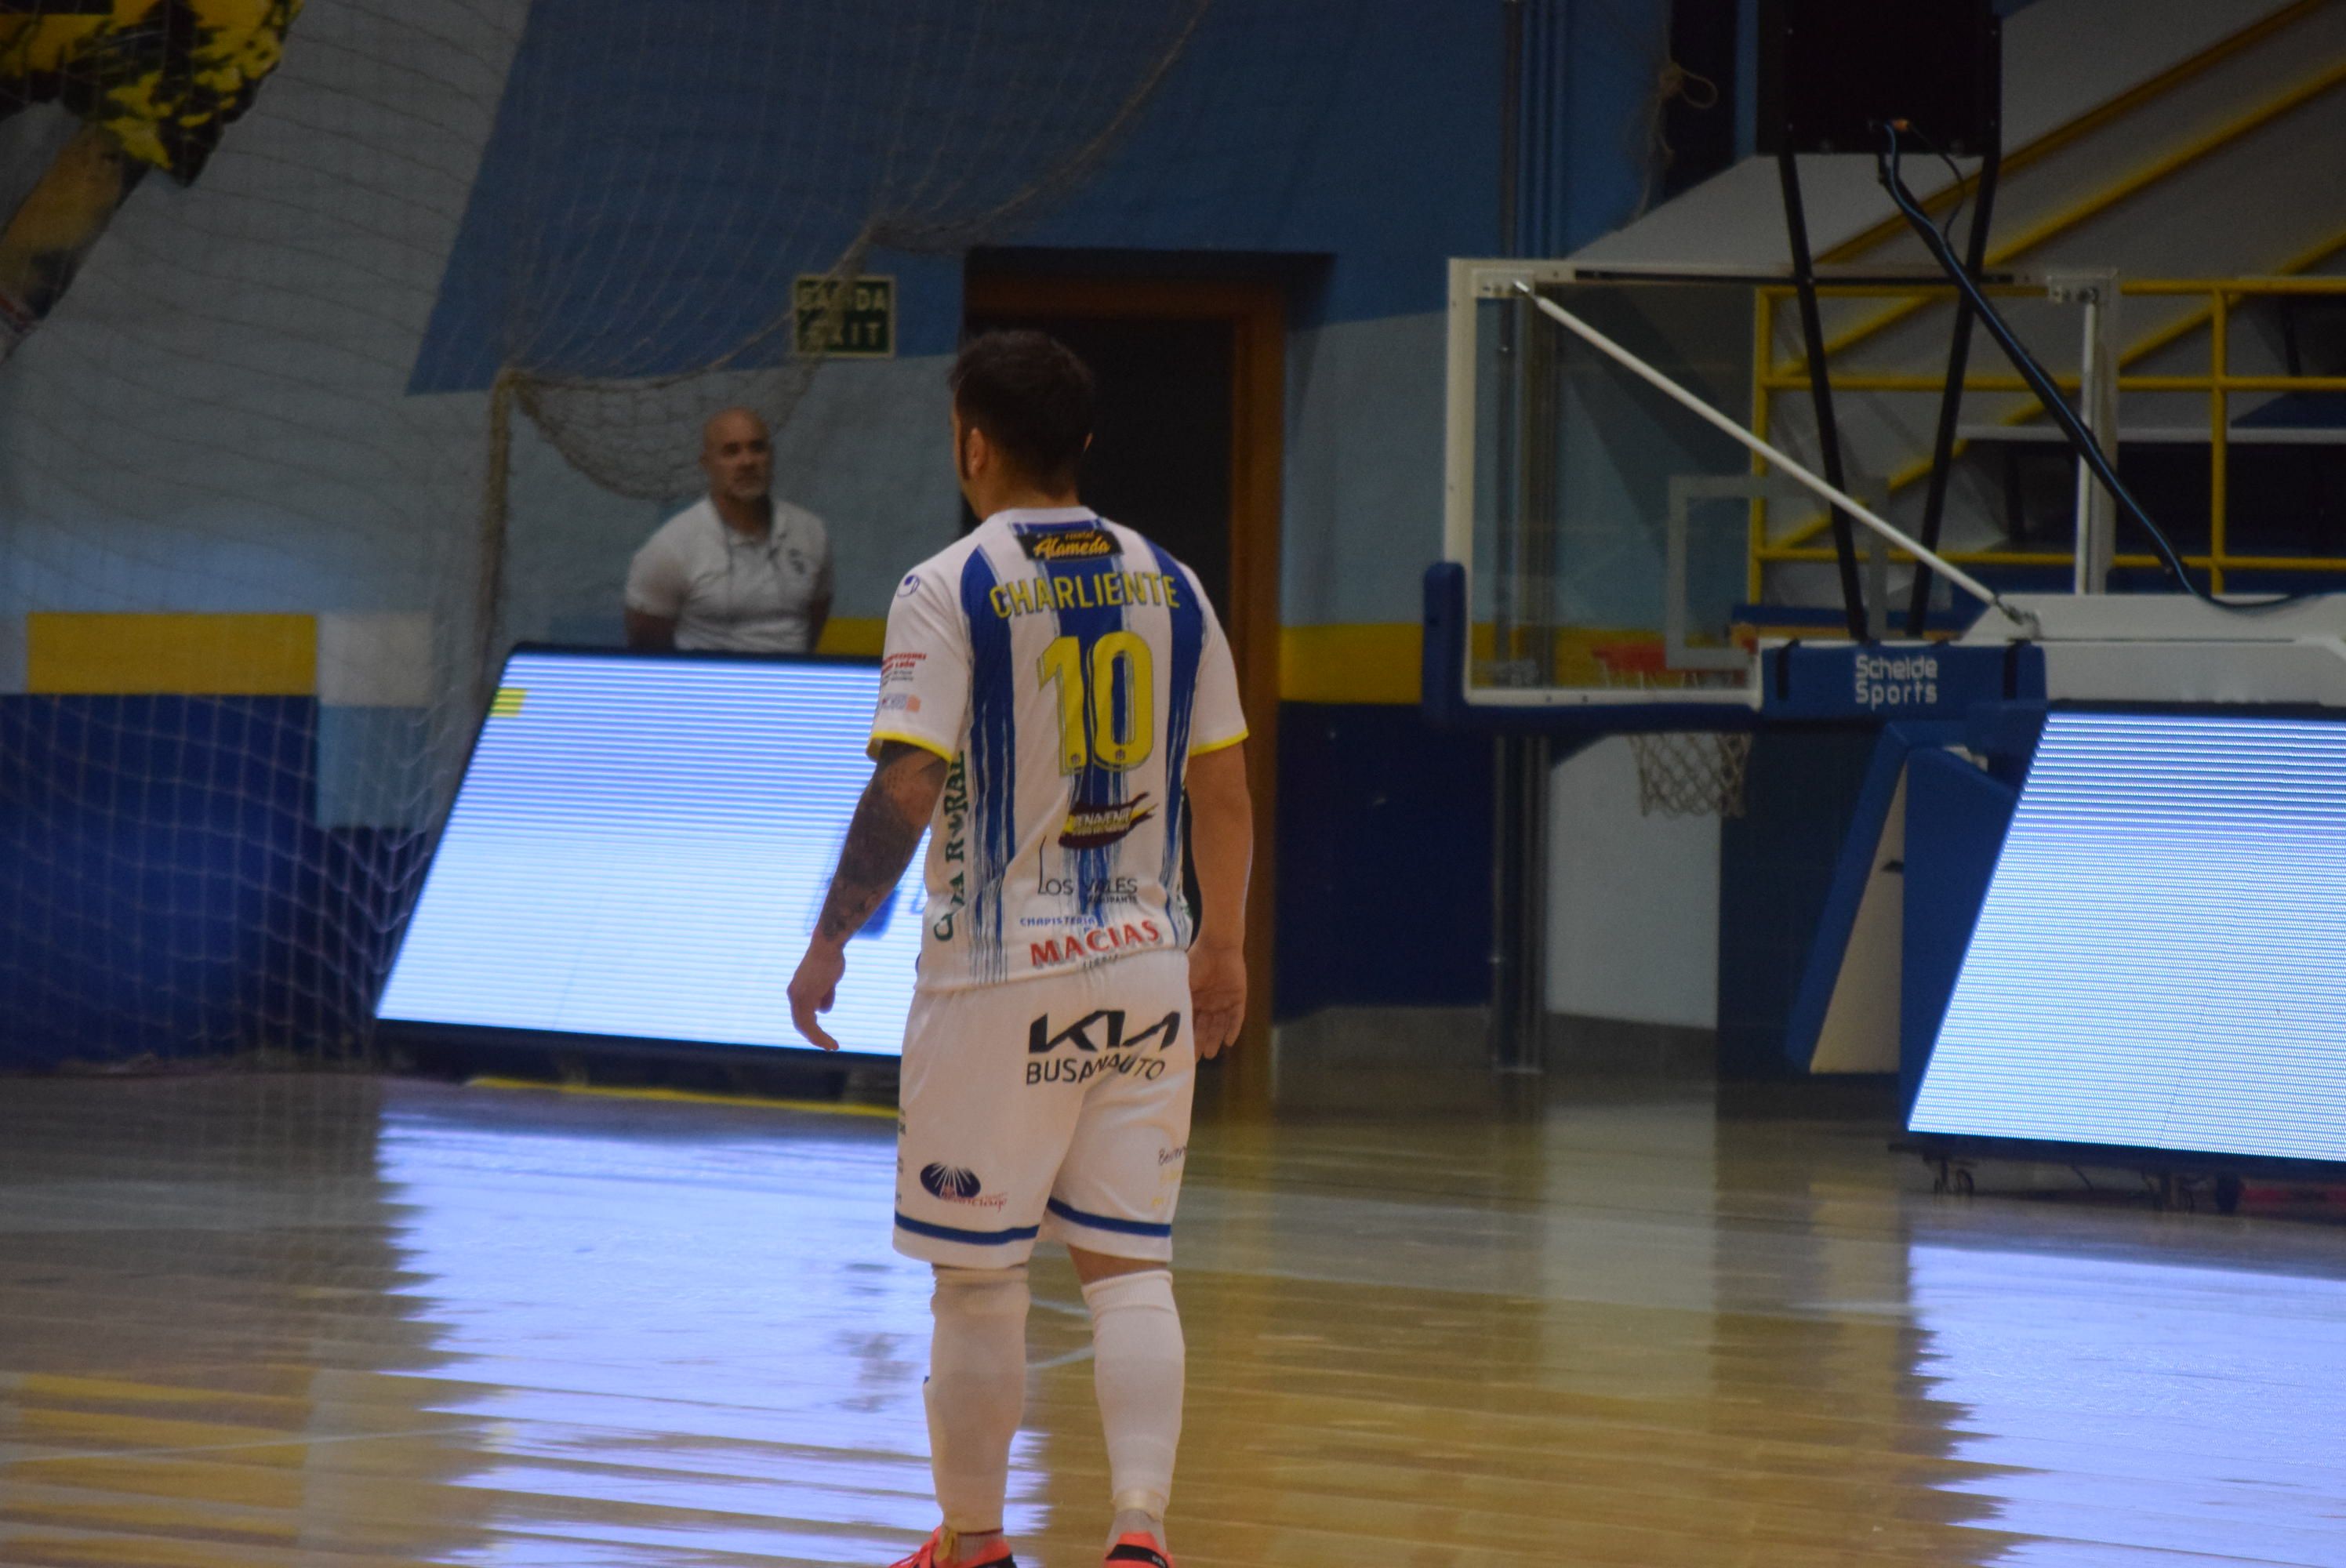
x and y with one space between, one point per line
728 592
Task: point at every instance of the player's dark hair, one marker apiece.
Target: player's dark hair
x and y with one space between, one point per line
1031 396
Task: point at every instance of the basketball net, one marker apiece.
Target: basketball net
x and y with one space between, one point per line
1680 773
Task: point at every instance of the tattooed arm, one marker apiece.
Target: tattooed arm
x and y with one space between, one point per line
889 822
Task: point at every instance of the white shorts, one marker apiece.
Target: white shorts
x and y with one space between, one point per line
1056 1107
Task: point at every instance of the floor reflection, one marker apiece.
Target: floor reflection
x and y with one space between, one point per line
690 1338
272 1323
2119 1406
205 1358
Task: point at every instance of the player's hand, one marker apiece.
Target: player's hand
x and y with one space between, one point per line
814 988
1218 995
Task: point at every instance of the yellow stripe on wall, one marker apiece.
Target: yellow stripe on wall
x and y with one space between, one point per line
277 656
1316 664
1360 664
1349 664
1381 664
186 654
863 637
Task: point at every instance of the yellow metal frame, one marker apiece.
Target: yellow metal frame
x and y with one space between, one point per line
2100 119
2219 383
2055 224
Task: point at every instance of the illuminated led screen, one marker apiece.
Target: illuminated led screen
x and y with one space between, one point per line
640 847
2161 959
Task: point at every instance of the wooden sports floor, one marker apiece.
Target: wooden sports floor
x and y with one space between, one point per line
252 1321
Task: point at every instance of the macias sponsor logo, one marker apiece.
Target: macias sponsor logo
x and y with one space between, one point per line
1901 681
1090 591
1100 1047
1091 826
1100 942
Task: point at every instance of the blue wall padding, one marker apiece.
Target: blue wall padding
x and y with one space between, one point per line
1776 865
168 891
1852 869
1385 860
2005 734
1956 817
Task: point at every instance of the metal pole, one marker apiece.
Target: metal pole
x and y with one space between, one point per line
2097 403
1519 763
496 485
1951 400
1511 124
1812 338
1832 495
1506 415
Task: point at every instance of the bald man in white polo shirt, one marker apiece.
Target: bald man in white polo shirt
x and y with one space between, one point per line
738 571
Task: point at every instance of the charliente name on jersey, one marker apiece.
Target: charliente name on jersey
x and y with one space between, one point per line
1102 590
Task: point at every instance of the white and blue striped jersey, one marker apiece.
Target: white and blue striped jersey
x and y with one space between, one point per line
1068 668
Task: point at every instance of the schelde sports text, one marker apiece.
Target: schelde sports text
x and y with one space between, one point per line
1905 680
1105 590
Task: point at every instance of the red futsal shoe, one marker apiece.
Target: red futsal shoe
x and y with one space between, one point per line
942 1550
1140 1549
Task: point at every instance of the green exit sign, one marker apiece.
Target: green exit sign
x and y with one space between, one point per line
847 318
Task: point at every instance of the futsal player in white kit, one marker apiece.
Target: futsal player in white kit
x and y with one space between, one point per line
1057 704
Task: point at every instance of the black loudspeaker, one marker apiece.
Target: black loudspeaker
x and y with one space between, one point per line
1830 71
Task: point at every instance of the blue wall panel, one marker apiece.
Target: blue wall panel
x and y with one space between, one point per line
1385 860
169 893
637 209
1366 130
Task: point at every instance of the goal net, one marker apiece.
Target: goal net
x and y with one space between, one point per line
347 341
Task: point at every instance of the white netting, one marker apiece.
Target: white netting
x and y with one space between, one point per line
1680 773
975 115
1690 774
275 283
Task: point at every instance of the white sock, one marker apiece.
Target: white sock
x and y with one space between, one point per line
1138 1362
1133 1521
976 1391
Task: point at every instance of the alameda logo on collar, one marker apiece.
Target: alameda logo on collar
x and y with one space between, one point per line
1090 544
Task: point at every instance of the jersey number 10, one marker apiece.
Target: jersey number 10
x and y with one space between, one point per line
1088 731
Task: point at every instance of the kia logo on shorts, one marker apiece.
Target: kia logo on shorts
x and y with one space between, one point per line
1110 1021
950 1182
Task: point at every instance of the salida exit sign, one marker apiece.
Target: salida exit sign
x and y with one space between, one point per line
847 318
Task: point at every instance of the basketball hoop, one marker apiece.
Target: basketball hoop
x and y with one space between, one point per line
1680 773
